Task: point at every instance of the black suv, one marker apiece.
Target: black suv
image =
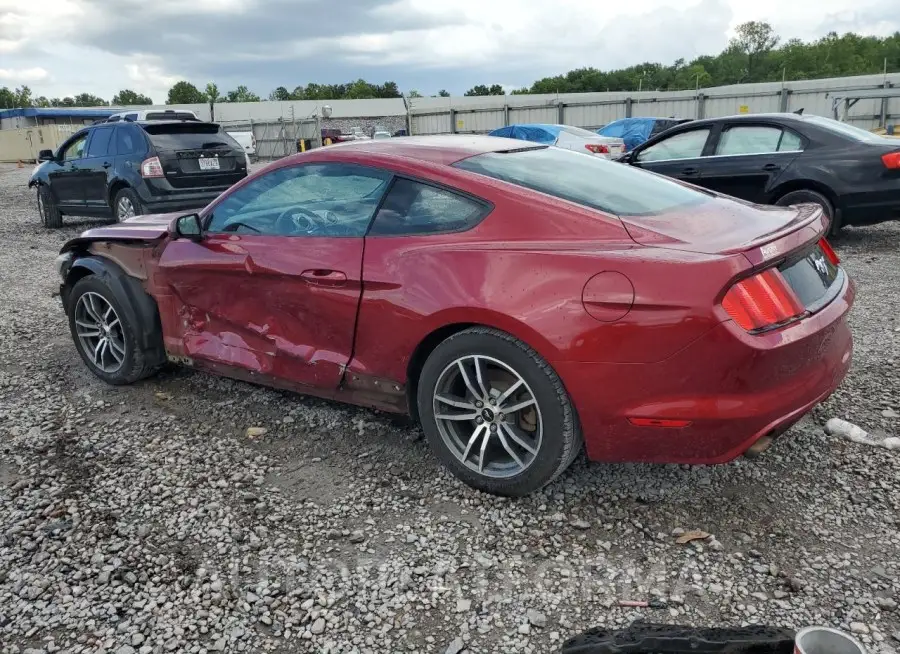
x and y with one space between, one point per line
122 169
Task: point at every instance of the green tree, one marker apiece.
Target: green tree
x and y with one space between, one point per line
7 98
89 100
23 97
280 93
241 94
755 38
127 98
42 101
444 93
414 94
212 97
481 89
185 93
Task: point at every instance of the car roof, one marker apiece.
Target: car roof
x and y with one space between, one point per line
784 117
439 149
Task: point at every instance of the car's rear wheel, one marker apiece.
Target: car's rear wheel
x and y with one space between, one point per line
813 197
496 414
104 335
127 204
51 217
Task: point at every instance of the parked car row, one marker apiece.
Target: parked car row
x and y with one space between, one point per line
523 302
781 159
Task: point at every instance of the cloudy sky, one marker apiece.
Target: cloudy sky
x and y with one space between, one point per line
62 47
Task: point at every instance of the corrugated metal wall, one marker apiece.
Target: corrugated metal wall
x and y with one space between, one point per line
592 110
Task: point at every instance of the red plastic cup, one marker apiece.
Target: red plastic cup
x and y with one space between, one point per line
825 640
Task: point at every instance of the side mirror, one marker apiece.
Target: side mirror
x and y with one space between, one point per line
188 227
45 155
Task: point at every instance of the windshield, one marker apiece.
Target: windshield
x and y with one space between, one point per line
847 130
590 181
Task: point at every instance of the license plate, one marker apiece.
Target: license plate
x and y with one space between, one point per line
208 163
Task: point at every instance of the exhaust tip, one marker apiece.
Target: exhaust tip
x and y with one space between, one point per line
759 446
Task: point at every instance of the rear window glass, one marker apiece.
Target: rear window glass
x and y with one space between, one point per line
577 131
590 181
847 130
180 136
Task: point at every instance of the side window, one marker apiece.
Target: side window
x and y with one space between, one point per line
749 139
75 149
131 116
790 142
127 140
416 208
685 145
308 200
99 145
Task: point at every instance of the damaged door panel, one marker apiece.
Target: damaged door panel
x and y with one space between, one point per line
277 306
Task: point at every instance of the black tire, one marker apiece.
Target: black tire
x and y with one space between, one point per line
50 215
809 196
137 363
126 195
561 441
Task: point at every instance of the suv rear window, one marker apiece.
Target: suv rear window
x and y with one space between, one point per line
590 181
183 136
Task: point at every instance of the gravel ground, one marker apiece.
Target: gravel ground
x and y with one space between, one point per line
144 519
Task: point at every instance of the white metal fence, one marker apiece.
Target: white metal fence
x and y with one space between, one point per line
866 101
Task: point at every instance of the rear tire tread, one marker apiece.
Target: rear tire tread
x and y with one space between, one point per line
51 217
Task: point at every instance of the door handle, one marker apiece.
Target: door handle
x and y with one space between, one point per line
106 164
771 167
689 171
322 277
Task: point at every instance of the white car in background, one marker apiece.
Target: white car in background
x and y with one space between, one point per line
381 133
246 140
153 114
565 136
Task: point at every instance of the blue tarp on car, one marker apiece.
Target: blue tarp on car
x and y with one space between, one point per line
633 131
533 132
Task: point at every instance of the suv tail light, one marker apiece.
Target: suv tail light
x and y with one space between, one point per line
151 168
762 301
829 253
891 160
597 148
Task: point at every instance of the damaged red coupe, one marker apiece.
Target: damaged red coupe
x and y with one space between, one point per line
519 301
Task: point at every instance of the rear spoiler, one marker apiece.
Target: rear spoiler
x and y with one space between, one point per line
809 226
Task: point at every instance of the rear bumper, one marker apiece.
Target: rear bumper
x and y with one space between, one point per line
730 387
161 197
871 208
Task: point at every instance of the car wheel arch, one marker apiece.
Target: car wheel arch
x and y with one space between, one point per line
140 306
114 189
803 185
451 325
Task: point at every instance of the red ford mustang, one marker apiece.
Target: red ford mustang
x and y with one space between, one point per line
519 300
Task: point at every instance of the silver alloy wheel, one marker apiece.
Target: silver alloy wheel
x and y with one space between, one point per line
488 416
124 208
100 332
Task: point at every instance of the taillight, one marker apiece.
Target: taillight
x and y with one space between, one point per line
761 301
596 148
151 168
891 160
829 253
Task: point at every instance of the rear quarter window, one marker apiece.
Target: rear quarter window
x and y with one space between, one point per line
590 181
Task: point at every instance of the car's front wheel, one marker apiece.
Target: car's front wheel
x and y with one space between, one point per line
496 414
104 335
51 217
127 204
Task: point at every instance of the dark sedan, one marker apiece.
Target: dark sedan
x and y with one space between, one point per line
784 159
